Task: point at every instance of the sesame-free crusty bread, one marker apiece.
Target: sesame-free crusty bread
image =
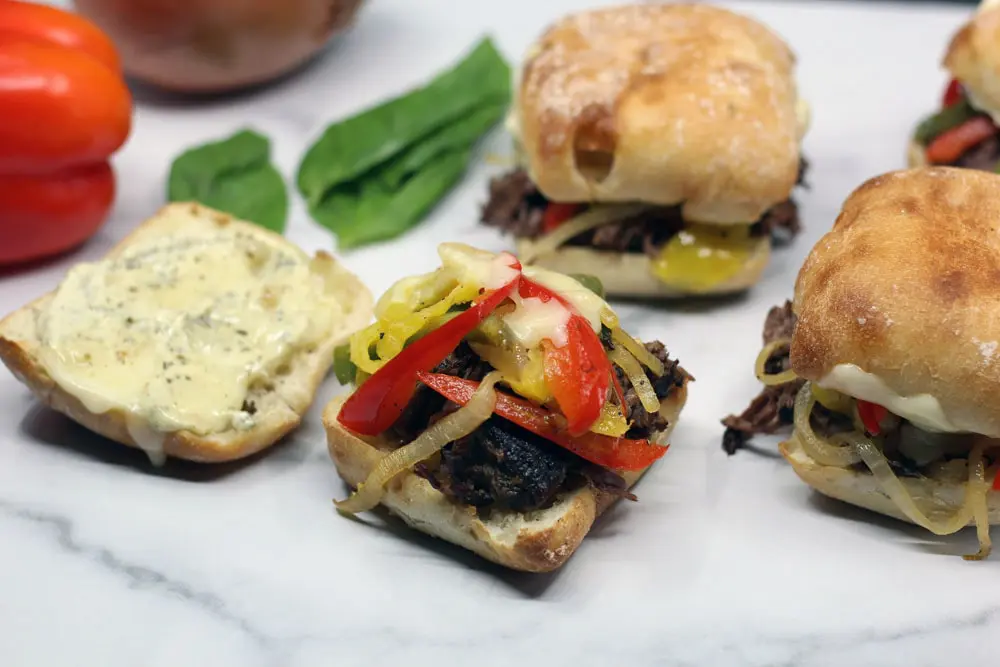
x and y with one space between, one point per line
629 274
662 103
905 287
279 405
973 57
538 541
937 496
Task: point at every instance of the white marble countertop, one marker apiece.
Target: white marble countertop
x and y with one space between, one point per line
724 561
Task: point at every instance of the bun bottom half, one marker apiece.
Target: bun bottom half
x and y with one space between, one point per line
861 488
538 541
630 274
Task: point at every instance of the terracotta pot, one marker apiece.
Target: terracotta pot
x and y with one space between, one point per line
213 46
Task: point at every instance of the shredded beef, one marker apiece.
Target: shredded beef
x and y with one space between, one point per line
426 402
773 408
781 222
646 424
984 156
516 206
501 465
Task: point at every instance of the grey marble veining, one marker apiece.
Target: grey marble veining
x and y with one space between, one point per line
724 561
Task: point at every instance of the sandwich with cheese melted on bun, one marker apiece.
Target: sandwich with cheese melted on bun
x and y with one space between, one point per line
499 407
886 364
965 131
659 146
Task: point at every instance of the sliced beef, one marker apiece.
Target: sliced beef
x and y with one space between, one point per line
516 206
772 409
984 156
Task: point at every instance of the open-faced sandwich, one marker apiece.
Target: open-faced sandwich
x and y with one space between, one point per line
658 145
886 363
965 132
499 407
199 336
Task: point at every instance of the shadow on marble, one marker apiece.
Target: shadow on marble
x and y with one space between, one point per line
47 427
952 546
523 584
687 305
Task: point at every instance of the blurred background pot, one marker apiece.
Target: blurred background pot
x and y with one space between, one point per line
213 46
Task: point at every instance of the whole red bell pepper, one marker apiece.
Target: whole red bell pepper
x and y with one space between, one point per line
379 402
578 373
66 110
606 451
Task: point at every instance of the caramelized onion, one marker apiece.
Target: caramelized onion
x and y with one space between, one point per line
818 448
595 216
643 389
450 428
637 350
762 358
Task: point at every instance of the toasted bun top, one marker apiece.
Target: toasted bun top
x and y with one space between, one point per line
906 286
973 57
663 104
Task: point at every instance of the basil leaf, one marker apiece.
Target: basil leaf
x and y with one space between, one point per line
234 175
369 211
352 147
451 137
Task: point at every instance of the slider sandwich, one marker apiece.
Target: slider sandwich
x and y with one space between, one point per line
658 146
499 407
965 132
886 363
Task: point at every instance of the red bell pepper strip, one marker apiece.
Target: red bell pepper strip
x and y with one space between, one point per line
379 402
949 146
952 94
606 451
557 213
871 415
578 373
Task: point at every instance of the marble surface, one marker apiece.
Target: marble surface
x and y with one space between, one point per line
724 561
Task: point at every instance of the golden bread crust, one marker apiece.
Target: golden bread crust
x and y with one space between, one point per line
696 104
973 57
279 407
537 542
905 286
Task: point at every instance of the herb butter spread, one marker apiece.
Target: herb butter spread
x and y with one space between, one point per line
179 327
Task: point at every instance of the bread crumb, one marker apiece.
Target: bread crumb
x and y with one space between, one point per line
862 320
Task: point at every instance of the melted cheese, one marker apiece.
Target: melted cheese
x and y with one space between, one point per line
923 410
534 320
175 331
477 267
588 304
803 116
